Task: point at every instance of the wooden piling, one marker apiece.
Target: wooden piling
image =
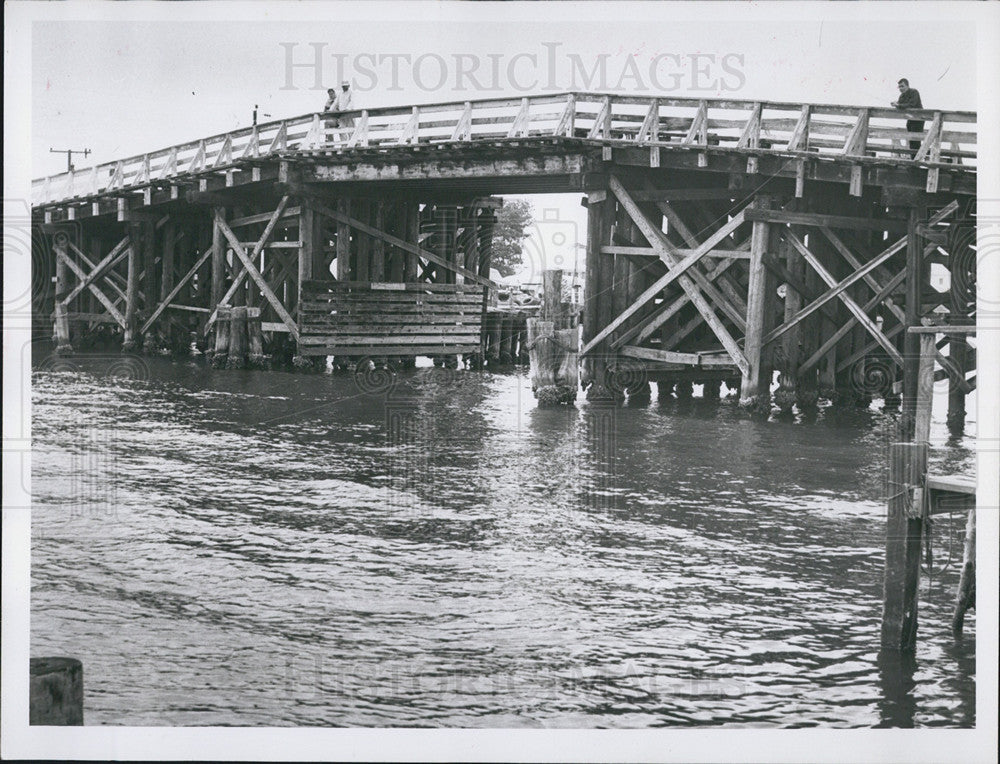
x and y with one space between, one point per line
220 352
904 528
787 393
61 334
256 358
755 387
55 695
912 309
507 339
597 302
131 338
219 265
958 355
238 340
967 581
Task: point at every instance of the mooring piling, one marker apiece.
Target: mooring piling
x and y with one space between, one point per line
55 696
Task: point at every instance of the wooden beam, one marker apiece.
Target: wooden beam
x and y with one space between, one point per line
831 221
667 356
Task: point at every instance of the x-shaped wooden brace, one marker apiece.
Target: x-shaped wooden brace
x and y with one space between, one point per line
856 310
82 276
119 251
249 269
677 271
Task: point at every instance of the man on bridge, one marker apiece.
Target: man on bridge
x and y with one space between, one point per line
910 99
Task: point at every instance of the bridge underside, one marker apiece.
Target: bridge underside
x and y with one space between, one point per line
686 251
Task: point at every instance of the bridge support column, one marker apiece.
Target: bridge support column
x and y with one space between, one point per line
788 380
597 298
755 387
61 319
131 338
911 342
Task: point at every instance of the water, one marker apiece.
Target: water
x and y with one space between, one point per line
255 548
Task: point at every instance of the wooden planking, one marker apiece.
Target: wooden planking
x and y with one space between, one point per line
351 318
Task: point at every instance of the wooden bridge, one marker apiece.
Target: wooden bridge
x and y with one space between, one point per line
368 233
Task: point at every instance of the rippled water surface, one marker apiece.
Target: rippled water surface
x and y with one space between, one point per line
265 548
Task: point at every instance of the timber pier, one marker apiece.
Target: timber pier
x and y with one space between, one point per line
727 241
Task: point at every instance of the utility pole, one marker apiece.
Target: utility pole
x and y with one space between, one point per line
69 155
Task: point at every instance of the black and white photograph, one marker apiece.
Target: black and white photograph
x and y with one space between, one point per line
483 381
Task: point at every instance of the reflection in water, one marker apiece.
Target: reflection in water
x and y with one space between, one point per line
263 548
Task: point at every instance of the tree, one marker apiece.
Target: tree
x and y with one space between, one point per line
509 233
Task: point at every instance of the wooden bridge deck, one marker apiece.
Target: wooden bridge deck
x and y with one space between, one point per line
541 144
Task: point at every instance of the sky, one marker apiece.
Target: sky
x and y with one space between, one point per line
121 88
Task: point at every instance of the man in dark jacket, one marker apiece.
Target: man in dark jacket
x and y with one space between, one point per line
910 99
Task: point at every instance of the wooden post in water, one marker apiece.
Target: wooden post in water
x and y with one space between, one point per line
967 580
61 319
552 347
220 352
755 388
907 468
238 342
256 358
55 695
507 339
907 510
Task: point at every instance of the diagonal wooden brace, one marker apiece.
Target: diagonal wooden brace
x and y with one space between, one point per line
852 306
264 238
254 274
120 250
666 253
110 306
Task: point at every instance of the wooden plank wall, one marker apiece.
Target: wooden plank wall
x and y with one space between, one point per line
350 318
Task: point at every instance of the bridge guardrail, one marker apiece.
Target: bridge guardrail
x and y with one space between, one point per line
825 130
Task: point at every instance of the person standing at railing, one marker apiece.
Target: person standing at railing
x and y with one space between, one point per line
910 99
337 102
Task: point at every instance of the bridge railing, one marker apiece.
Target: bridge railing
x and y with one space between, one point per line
855 133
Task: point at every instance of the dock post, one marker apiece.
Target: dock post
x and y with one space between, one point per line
60 317
755 387
55 695
904 528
